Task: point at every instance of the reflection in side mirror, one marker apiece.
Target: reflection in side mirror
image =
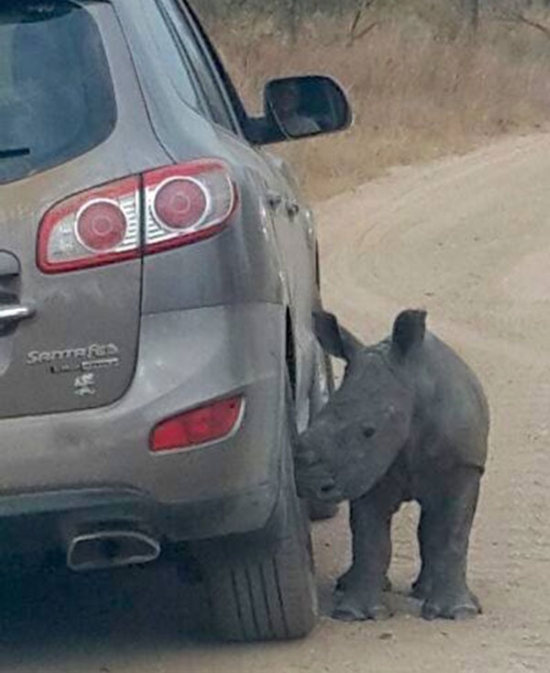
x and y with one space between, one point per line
306 106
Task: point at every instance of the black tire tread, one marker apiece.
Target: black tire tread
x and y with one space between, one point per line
267 594
268 598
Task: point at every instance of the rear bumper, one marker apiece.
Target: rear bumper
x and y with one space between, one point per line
36 523
65 470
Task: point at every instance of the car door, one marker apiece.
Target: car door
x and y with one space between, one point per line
292 225
296 238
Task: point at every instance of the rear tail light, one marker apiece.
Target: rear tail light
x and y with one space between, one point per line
199 426
186 203
100 226
182 204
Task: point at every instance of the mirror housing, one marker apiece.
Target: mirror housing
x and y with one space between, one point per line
301 107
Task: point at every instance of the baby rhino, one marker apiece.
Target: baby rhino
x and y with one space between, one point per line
409 422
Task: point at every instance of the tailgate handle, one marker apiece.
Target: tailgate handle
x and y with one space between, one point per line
15 312
9 264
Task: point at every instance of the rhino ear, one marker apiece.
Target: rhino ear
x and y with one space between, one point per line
409 330
335 339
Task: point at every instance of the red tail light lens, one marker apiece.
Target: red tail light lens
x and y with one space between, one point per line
183 204
101 226
199 426
96 227
180 203
187 203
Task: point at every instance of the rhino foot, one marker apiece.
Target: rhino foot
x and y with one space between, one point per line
421 589
351 608
462 607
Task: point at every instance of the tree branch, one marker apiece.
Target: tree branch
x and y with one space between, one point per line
518 17
352 33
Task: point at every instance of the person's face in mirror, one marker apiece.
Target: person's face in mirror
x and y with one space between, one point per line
288 100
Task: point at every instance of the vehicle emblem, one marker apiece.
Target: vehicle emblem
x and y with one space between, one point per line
85 385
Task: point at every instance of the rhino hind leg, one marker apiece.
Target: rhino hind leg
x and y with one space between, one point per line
444 532
359 593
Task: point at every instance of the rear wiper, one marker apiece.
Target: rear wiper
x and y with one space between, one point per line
16 152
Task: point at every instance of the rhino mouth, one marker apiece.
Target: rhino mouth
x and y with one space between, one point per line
317 483
328 491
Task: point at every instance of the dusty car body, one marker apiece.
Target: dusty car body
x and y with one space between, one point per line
158 271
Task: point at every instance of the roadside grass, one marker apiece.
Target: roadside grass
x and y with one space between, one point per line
421 86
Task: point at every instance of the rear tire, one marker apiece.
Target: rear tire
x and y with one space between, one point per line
323 382
265 593
322 390
270 598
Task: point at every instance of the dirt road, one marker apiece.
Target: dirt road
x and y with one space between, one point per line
469 239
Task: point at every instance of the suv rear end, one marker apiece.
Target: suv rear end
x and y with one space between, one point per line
145 327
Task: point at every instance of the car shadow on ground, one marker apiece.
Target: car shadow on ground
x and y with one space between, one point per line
59 615
57 620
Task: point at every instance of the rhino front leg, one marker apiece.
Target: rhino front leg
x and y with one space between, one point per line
422 586
447 517
359 592
347 576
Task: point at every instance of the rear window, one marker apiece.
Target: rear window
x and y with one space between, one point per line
56 95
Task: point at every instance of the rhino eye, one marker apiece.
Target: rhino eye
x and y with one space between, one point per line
368 431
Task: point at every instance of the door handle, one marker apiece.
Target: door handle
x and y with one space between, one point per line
274 200
292 208
15 312
9 265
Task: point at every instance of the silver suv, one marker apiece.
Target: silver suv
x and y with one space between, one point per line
158 272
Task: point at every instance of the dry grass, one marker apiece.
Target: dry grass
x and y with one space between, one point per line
420 88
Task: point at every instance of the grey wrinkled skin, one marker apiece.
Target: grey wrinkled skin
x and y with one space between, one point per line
409 422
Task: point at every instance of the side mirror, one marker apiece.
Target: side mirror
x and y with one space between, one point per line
300 107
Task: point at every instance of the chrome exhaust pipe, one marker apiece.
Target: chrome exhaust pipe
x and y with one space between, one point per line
111 549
